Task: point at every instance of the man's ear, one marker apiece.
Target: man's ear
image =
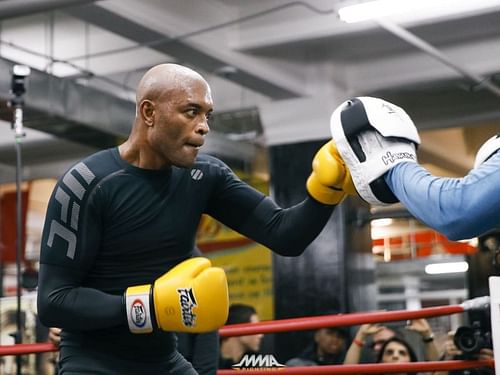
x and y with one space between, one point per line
147 112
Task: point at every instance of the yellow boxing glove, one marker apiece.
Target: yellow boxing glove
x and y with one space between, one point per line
330 179
191 297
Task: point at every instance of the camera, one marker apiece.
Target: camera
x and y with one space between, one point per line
471 339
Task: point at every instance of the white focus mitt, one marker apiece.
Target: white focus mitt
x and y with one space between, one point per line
487 149
372 136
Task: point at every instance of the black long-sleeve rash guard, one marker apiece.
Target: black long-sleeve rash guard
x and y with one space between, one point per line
111 225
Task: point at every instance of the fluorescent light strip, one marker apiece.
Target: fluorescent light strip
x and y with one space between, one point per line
382 8
381 222
452 267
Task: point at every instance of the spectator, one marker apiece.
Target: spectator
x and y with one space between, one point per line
372 349
232 349
328 348
396 350
419 326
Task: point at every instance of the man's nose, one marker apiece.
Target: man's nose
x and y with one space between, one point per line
202 127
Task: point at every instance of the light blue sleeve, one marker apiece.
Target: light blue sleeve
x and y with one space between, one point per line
459 208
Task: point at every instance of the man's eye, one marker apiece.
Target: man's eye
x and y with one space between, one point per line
192 112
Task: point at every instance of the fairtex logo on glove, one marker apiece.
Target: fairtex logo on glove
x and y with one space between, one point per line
390 158
187 302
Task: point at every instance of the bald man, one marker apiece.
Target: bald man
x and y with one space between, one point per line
124 216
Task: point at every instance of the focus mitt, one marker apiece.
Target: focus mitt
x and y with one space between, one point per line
487 150
372 136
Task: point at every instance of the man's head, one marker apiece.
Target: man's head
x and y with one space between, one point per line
242 313
330 341
173 104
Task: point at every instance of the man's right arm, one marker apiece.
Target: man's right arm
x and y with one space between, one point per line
62 302
70 239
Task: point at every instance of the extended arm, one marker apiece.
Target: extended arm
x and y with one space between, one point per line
286 231
458 207
353 354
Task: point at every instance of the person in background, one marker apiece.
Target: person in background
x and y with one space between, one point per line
396 350
419 326
233 349
328 348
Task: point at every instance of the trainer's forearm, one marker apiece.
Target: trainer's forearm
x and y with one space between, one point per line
457 207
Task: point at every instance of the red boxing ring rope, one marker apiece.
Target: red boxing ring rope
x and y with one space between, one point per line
301 324
310 323
375 368
19 349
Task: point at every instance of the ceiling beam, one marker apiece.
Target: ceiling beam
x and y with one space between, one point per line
182 51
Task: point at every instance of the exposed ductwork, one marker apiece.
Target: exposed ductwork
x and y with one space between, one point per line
69 110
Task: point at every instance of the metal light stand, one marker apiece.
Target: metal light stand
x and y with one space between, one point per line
19 73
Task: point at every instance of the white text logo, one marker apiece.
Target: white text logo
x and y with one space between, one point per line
250 361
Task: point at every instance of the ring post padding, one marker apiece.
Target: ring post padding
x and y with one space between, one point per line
494 282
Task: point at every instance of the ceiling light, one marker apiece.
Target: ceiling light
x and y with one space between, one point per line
381 222
452 267
383 8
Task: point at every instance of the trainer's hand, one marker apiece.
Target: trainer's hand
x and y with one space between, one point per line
330 179
191 297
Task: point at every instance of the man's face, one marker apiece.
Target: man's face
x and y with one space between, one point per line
181 123
252 342
329 342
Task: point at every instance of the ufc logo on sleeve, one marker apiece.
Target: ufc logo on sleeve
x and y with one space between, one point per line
70 206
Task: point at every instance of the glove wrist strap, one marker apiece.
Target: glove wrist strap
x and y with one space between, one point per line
139 309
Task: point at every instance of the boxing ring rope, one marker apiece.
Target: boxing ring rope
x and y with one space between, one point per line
372 368
337 320
20 349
